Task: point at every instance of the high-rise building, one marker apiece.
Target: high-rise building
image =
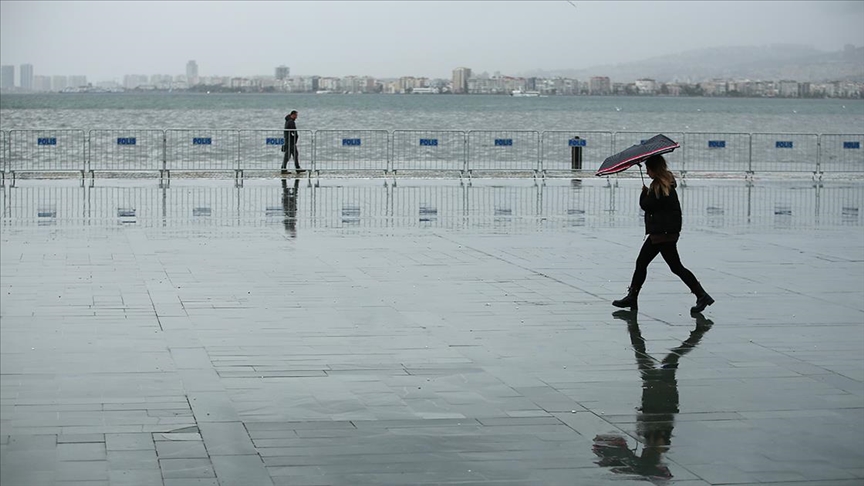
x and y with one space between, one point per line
77 81
27 77
59 83
7 77
282 72
192 73
461 76
600 85
41 83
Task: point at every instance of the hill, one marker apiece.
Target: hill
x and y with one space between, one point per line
773 62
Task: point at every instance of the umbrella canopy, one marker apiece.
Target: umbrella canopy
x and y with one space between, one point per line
656 145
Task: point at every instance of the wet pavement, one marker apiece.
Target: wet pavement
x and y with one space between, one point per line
348 332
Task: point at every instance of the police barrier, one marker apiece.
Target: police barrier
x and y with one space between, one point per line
262 150
117 150
204 150
351 150
675 160
503 150
784 152
46 151
428 150
841 153
716 152
114 150
4 152
567 151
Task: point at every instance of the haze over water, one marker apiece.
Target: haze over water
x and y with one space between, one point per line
439 112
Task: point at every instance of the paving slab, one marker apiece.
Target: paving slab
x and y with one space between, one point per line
411 331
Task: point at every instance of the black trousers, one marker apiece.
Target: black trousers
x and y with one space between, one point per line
669 250
290 151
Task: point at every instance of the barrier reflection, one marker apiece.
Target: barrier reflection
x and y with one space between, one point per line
488 205
289 206
659 405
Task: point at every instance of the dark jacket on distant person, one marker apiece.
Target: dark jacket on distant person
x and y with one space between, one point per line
290 131
662 214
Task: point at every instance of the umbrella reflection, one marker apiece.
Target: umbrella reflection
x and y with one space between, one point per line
289 206
656 416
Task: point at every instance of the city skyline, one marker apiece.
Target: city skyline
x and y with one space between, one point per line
389 39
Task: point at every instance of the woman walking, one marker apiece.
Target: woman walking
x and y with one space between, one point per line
663 226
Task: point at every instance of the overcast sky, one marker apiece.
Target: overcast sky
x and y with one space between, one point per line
105 40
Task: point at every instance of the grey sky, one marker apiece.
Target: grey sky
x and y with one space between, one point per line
105 40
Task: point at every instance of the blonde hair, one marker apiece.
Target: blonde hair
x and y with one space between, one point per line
663 177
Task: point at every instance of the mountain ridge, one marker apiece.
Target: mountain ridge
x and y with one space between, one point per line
771 62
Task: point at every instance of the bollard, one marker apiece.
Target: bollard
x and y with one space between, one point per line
575 154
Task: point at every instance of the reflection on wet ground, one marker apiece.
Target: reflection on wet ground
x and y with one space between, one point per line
426 332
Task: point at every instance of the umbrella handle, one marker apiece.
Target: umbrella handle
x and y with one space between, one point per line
640 174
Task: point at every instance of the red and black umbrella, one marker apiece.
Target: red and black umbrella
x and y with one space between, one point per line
623 160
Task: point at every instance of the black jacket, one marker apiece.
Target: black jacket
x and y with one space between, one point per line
663 214
290 131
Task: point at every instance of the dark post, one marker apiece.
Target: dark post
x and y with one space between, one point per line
575 155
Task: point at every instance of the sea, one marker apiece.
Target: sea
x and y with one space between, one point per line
88 111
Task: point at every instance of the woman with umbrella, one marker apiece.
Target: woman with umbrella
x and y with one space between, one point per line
663 226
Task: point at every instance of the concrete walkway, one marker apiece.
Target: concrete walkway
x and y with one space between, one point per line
428 332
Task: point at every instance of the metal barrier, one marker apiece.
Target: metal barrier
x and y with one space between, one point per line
46 151
4 152
716 152
623 140
126 150
568 151
503 150
205 150
428 150
261 150
841 153
351 150
784 152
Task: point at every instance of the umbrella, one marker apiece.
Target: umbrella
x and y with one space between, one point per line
656 145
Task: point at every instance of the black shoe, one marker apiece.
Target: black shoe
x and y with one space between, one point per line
631 300
702 302
284 171
299 170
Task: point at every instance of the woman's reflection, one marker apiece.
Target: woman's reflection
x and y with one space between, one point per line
289 206
656 416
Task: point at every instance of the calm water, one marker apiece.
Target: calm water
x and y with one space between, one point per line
391 112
